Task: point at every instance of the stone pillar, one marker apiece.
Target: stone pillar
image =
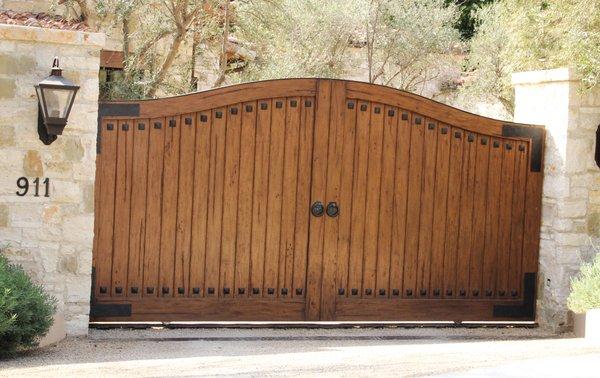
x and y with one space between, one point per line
570 231
51 237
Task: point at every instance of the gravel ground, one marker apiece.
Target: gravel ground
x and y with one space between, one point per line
312 352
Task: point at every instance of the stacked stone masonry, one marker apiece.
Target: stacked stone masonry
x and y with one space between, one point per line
570 232
50 237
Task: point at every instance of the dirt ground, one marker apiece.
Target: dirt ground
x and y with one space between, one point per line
449 352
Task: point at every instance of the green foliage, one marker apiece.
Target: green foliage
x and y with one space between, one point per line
522 35
467 21
409 43
585 288
297 38
25 310
405 43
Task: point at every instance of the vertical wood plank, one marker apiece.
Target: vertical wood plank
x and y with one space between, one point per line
154 206
260 195
216 181
438 237
318 187
230 201
169 206
457 160
427 205
505 220
122 208
373 196
515 276
137 237
479 216
334 162
359 198
246 186
106 212
303 197
415 184
276 156
465 236
290 180
202 153
386 207
185 204
399 219
346 195
492 217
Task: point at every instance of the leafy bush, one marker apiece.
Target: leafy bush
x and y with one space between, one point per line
25 310
585 288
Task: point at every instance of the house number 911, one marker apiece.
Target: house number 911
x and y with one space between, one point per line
23 185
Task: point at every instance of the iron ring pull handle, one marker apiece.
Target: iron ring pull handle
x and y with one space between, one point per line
317 209
333 209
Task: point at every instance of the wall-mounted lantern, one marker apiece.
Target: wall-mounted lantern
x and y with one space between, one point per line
55 99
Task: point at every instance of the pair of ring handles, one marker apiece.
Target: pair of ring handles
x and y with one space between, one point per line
317 209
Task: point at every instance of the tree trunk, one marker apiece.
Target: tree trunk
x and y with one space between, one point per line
167 63
126 35
223 57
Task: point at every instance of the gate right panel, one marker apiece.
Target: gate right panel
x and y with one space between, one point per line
439 211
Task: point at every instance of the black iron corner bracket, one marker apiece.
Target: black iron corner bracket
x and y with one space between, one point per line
526 310
536 135
106 109
106 309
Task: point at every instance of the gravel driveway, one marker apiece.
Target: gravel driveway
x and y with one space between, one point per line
312 352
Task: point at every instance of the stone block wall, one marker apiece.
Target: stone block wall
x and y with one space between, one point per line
51 237
570 233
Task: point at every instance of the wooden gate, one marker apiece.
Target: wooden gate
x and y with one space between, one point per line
313 199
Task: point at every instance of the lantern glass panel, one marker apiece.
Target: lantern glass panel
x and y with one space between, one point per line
58 101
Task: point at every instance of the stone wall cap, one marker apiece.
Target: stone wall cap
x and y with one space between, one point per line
545 76
59 36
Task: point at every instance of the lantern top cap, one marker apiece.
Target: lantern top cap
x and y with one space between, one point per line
56 80
56 70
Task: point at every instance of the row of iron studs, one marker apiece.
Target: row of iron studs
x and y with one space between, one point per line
196 290
308 103
423 292
284 291
431 126
204 118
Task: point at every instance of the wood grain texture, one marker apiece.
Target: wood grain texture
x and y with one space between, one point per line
260 196
106 164
137 235
185 205
245 196
202 153
216 181
170 190
154 206
204 212
230 230
318 190
122 207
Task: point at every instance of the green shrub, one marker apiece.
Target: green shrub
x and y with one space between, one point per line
25 310
585 288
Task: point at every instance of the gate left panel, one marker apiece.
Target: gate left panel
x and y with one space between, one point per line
203 215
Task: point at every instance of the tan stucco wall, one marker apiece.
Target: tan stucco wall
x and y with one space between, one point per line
570 231
51 237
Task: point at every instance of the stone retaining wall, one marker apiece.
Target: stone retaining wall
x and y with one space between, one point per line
51 237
